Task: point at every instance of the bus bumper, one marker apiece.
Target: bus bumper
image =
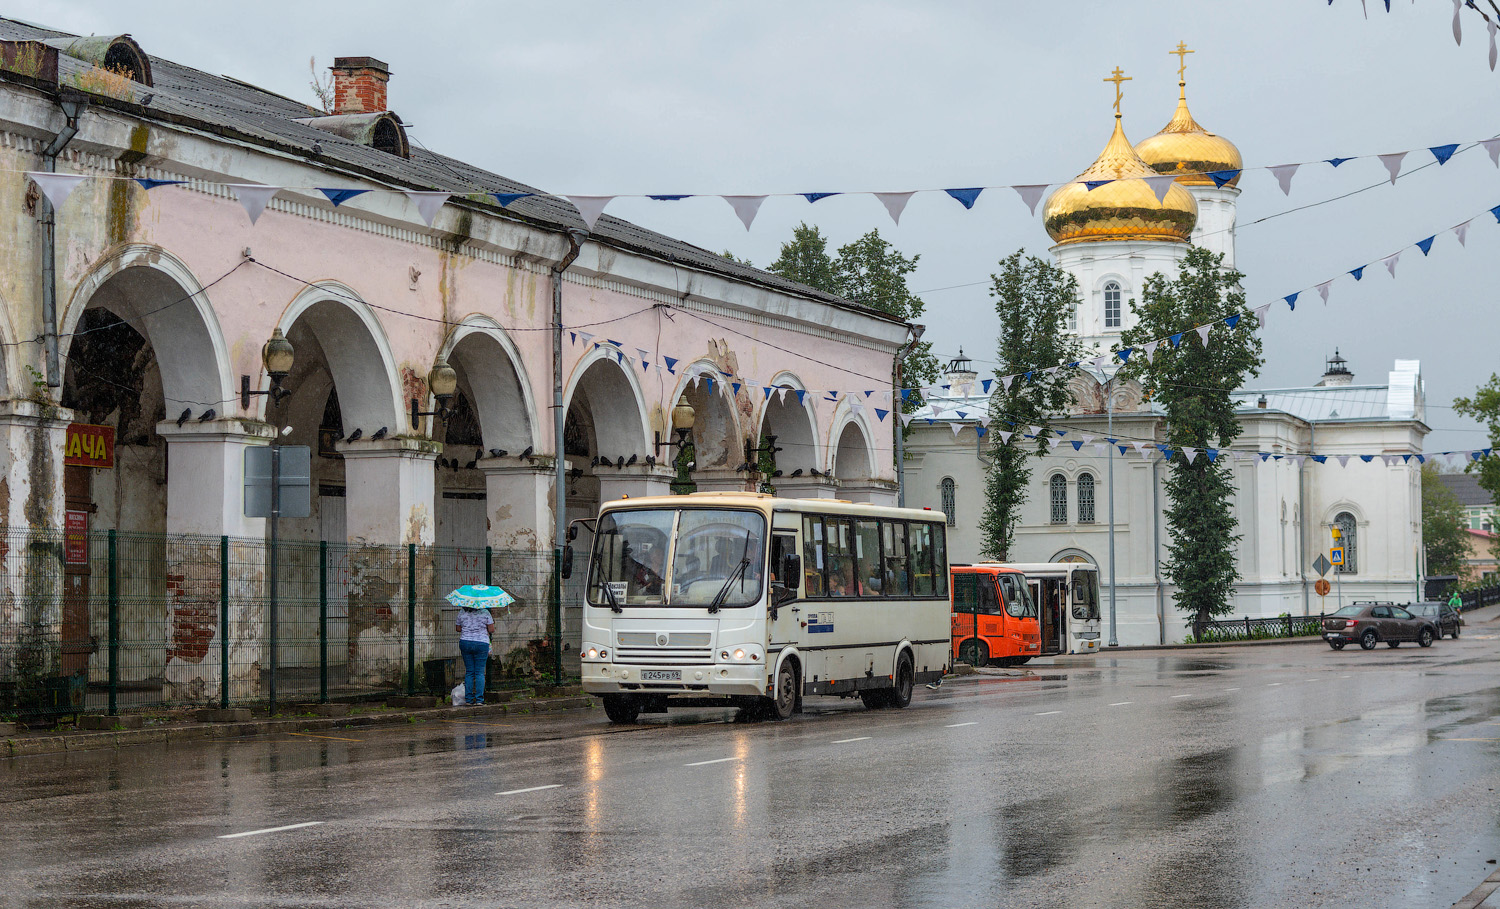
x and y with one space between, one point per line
1085 645
724 679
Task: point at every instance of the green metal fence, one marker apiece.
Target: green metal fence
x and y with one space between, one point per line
109 621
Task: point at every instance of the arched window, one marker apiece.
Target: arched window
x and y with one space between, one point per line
950 501
1059 489
1348 534
1085 498
1073 317
1112 305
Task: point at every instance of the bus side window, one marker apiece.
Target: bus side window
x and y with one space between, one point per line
897 567
965 593
813 557
989 601
939 558
923 583
867 574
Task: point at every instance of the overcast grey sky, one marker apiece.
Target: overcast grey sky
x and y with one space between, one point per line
759 97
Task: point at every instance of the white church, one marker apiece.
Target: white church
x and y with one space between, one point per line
1331 449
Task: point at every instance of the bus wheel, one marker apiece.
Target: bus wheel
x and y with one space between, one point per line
906 679
621 708
784 704
973 652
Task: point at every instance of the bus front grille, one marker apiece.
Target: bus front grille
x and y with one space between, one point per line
665 656
663 638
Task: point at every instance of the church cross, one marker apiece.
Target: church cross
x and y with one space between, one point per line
1181 53
1117 77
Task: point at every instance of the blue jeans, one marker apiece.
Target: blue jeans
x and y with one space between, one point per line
475 654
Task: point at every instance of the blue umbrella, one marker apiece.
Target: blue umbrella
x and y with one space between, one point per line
480 596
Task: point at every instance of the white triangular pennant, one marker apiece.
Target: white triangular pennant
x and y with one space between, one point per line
590 207
1189 454
1149 349
1031 194
745 207
1035 430
906 418
895 203
1390 460
1462 232
428 204
1490 25
1101 448
1284 174
1004 436
56 187
1390 262
1099 361
1202 331
781 394
1392 163
1458 31
1493 147
253 197
1005 382
1141 449
1261 312
1159 185
957 428
1086 437
1323 291
1343 460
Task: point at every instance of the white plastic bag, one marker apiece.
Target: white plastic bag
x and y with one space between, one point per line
458 694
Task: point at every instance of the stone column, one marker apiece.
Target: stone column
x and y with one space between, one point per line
874 492
519 507
389 502
206 501
636 481
806 487
722 479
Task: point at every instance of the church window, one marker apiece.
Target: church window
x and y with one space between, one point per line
950 501
1086 498
1348 533
1112 305
1073 317
1058 486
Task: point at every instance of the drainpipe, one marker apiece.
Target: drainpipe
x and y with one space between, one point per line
1161 601
72 108
898 428
560 494
1312 439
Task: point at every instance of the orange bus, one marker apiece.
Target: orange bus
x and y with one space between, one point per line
994 616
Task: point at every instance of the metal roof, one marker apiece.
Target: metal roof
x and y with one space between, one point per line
1466 487
220 103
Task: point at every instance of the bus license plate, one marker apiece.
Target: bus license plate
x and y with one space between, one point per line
661 675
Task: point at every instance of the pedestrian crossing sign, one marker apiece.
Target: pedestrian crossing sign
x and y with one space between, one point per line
1336 556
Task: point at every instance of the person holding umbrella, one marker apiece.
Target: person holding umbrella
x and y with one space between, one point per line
476 628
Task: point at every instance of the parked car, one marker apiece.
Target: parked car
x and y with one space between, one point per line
1371 623
1445 617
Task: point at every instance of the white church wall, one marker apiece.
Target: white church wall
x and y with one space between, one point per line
1215 228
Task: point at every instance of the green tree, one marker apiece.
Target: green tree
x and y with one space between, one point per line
1445 526
805 259
1485 407
1193 383
872 272
729 254
1033 299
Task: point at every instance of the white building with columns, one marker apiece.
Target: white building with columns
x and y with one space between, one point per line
1332 452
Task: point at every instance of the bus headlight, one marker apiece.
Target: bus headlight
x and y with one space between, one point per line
743 654
592 654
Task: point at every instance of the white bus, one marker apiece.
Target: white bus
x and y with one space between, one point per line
748 600
1067 594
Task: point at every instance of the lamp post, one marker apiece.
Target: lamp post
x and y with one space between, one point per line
1109 407
683 418
442 381
277 355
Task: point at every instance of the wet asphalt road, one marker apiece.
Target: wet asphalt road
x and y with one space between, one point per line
1268 776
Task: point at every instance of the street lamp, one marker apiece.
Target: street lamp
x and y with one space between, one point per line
683 418
277 355
442 381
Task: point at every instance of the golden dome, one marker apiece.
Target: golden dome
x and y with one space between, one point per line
1184 147
1125 209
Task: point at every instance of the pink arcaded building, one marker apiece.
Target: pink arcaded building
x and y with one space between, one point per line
145 309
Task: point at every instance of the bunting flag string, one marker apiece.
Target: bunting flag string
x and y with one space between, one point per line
591 207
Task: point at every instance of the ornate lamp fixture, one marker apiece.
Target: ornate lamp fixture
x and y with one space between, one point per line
278 356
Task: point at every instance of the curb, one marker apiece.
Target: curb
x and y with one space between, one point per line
88 741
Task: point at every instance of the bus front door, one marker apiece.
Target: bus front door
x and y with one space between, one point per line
1051 596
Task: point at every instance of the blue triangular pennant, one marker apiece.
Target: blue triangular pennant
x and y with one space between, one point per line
1321 459
1291 299
1077 444
1232 321
1028 374
1367 458
1213 454
1124 449
1443 152
1220 177
768 389
985 385
962 414
1095 184
813 197
506 198
614 343
572 337
671 365
1124 354
710 381
735 387
671 198
1336 161
1264 455
340 196
1496 212
1357 272
1426 245
979 429
1175 339
147 183
905 394
965 197
881 415
801 396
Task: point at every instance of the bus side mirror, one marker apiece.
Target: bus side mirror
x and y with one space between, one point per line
572 532
791 570
566 569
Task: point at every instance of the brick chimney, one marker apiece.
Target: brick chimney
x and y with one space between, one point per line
359 85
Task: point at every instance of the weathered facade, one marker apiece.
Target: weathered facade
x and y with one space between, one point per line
164 298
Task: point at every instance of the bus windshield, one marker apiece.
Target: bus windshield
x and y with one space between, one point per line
678 557
1017 594
1085 594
